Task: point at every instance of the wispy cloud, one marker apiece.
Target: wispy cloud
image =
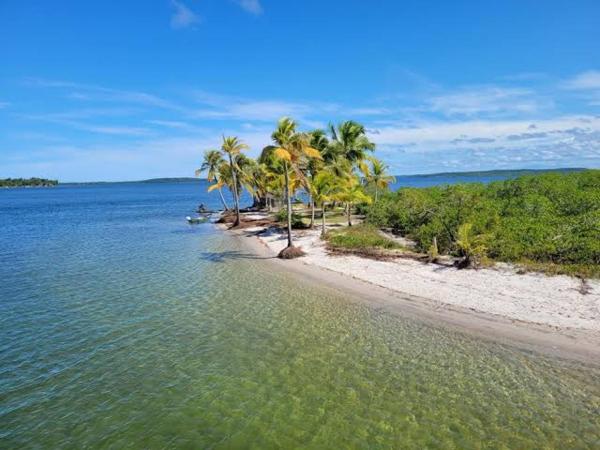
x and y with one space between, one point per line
90 92
228 107
183 16
587 84
436 135
485 100
589 80
503 125
173 124
4 105
480 145
66 119
251 6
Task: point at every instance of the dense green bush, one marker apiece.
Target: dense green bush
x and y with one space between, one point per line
297 221
361 236
548 218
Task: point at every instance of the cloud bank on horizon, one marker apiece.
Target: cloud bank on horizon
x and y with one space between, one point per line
155 120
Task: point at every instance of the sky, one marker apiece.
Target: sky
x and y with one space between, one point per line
107 90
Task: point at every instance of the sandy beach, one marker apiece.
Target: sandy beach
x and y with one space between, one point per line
539 312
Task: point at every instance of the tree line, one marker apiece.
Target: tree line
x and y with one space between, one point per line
330 166
24 182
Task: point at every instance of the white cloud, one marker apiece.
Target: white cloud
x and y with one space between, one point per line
434 136
65 120
468 128
589 80
485 99
251 6
183 17
4 105
238 108
171 124
90 92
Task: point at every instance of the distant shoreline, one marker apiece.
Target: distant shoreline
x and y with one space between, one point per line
470 174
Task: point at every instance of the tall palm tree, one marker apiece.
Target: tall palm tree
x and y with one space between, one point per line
212 160
349 141
232 147
377 176
293 149
319 141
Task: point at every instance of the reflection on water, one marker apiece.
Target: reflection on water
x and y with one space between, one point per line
149 334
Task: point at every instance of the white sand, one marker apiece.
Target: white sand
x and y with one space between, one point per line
536 298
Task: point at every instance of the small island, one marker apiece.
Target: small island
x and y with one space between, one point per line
27 182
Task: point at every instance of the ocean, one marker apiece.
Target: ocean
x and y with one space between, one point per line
121 326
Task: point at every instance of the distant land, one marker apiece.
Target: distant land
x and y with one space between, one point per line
509 173
26 182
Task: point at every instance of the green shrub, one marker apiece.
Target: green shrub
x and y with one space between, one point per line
549 218
297 221
361 236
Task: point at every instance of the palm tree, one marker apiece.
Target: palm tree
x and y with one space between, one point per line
352 192
319 141
212 160
323 189
293 149
377 176
349 141
232 147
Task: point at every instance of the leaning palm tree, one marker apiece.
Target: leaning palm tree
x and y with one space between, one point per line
232 147
212 160
293 149
377 176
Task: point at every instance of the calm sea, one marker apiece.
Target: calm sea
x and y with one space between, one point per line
121 326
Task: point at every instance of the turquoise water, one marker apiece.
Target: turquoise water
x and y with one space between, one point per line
123 327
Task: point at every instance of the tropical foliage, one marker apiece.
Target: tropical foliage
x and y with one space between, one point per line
547 221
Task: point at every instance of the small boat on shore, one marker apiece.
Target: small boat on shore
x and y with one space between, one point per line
196 220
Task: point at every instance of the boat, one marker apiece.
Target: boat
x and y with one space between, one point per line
196 220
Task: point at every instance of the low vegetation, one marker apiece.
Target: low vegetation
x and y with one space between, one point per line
544 222
363 236
27 182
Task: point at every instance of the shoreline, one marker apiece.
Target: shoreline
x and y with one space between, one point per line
570 343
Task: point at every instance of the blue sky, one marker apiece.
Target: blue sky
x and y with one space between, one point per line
138 89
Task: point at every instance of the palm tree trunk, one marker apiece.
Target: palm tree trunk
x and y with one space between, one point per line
349 206
289 204
223 200
323 218
312 212
376 192
235 192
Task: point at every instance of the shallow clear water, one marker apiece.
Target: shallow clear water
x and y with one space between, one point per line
121 326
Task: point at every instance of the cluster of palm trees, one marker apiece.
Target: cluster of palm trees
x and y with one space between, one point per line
336 167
